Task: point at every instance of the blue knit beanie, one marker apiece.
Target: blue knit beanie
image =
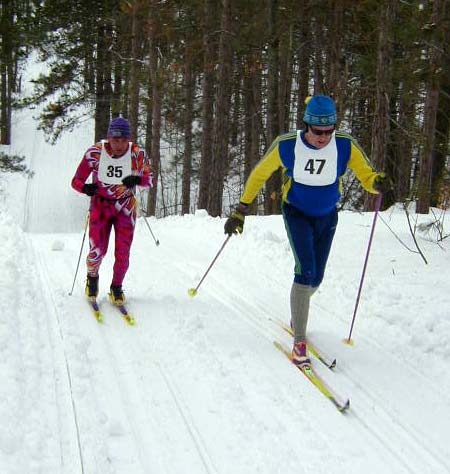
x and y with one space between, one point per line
119 127
320 110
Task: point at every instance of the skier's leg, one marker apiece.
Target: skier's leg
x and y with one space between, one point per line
300 299
324 230
301 237
299 229
124 224
100 223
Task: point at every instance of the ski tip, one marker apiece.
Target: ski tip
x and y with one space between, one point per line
343 408
278 345
130 320
126 315
333 364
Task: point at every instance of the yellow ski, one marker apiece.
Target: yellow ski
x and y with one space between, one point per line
309 373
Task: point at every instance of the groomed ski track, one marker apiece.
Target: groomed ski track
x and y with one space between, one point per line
196 386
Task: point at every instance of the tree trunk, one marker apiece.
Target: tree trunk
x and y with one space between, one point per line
401 147
381 122
5 122
189 86
149 118
284 103
102 82
125 75
207 103
252 117
439 171
6 71
118 68
221 123
439 177
317 46
303 62
156 80
272 202
135 69
248 111
336 78
236 109
430 112
256 116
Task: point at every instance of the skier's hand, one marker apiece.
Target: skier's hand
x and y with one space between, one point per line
235 223
131 181
382 183
90 189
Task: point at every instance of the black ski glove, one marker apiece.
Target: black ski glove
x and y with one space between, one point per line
382 184
235 223
90 189
131 181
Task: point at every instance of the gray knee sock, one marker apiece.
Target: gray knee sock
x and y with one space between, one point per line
300 297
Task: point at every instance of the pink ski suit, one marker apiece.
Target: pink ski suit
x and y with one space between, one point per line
112 205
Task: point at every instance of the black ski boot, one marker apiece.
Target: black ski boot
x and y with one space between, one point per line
116 295
91 289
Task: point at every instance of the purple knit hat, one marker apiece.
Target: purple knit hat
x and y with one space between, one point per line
119 127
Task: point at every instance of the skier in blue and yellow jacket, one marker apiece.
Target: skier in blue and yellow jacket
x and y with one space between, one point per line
313 161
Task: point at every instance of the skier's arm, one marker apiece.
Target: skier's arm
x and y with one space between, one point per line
82 173
143 168
268 164
359 164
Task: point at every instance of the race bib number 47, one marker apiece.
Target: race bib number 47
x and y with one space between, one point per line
315 167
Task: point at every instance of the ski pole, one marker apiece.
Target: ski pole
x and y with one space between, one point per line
377 208
139 210
81 251
193 291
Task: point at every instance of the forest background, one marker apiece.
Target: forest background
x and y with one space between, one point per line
208 84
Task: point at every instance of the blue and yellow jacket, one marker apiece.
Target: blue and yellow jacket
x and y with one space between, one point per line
310 199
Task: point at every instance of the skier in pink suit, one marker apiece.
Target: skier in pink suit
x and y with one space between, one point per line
117 166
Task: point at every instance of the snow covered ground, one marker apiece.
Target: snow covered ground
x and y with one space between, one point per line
197 385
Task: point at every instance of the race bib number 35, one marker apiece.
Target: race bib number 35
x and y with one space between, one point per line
113 170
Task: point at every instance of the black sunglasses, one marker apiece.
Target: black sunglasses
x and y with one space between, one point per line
318 132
